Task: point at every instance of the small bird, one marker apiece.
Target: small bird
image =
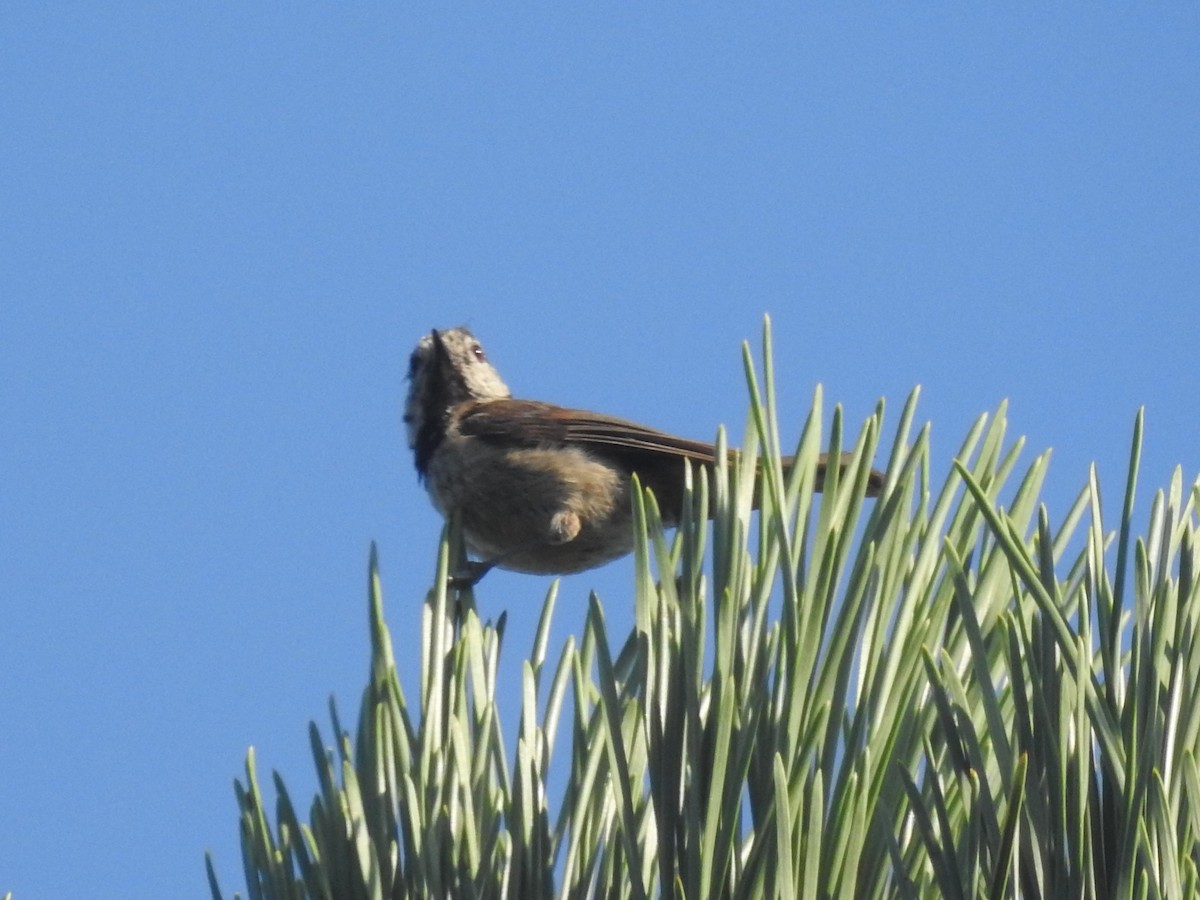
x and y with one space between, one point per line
538 488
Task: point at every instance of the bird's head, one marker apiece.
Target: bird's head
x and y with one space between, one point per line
446 368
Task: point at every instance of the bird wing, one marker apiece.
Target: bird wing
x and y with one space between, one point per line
532 423
652 454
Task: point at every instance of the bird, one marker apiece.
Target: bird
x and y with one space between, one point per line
538 488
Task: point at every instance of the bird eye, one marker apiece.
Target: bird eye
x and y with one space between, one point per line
477 352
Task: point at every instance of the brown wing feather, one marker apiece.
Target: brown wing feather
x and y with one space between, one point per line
652 454
529 423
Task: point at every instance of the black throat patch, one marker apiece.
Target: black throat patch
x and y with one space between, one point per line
444 387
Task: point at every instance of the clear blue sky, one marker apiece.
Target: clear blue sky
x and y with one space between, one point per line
223 229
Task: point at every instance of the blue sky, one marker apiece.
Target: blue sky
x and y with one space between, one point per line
223 227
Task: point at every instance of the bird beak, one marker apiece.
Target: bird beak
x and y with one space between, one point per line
440 360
